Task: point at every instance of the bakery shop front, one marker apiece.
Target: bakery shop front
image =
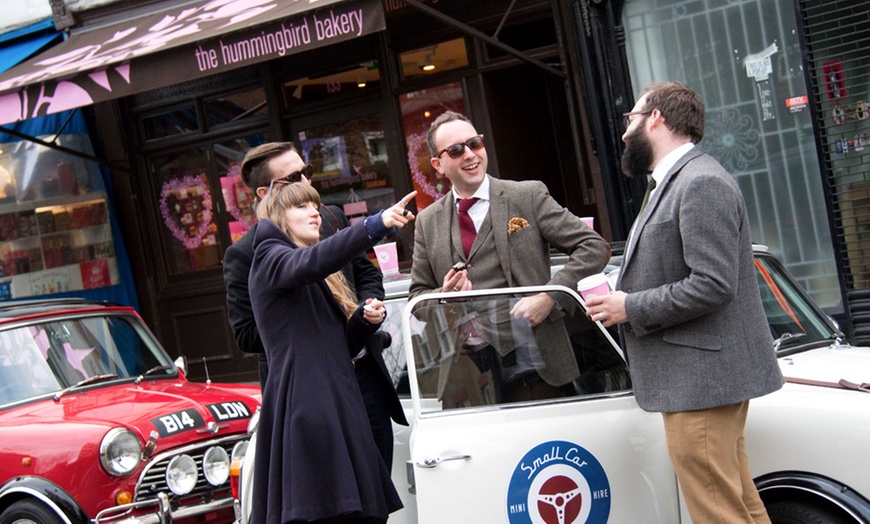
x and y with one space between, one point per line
174 95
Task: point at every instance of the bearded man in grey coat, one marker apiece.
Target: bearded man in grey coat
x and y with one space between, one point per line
688 306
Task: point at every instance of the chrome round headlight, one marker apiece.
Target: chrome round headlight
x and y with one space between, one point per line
216 465
254 422
181 475
120 452
239 450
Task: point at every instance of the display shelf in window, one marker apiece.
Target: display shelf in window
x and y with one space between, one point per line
56 245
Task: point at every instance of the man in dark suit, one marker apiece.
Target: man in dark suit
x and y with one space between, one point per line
688 306
513 225
279 160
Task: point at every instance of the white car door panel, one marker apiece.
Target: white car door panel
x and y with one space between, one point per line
589 454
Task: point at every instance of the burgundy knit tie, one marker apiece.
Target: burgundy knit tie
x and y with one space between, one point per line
466 225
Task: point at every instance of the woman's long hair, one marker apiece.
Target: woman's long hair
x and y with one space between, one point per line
285 196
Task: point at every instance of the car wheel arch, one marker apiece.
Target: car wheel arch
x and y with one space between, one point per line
828 494
46 492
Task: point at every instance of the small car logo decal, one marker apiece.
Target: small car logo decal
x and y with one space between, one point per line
558 482
177 422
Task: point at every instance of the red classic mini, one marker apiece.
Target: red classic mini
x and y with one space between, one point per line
97 424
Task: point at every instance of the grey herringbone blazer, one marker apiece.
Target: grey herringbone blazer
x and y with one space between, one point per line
696 336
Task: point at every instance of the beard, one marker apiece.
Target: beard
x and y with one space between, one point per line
637 158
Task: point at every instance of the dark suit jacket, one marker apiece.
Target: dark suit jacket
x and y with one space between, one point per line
362 275
697 336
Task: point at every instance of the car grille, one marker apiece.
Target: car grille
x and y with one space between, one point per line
153 478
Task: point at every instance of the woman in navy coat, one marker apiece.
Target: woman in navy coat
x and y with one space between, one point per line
316 457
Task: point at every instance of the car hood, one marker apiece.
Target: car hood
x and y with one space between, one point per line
171 407
829 364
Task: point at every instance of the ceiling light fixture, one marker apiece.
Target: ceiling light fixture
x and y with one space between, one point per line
427 63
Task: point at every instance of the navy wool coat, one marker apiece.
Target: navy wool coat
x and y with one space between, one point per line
316 456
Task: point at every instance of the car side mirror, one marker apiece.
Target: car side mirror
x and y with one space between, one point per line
181 364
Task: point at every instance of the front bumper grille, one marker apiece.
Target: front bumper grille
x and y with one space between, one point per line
153 478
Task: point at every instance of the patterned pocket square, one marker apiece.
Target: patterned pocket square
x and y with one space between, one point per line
515 224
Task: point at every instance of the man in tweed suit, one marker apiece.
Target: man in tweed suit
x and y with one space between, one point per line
515 224
688 306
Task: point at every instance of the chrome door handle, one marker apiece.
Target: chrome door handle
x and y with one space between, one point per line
432 462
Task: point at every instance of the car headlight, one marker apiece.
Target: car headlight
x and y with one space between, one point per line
181 475
216 465
120 451
239 450
254 422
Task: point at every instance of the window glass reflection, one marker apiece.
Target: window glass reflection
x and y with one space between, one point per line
766 145
170 123
472 352
238 200
236 106
360 79
350 165
436 58
419 109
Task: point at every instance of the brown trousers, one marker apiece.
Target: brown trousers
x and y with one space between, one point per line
709 456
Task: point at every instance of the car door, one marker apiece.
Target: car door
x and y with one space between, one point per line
581 451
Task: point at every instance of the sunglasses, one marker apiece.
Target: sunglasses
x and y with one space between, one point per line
627 116
296 176
293 177
278 183
455 151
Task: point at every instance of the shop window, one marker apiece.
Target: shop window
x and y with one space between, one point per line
352 82
195 213
55 233
235 107
350 164
186 204
239 201
419 109
172 122
437 58
744 59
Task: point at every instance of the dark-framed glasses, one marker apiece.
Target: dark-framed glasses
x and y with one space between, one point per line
454 151
627 116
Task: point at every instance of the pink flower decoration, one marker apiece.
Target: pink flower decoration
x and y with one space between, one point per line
415 143
194 184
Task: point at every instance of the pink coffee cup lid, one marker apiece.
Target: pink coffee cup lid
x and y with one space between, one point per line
592 281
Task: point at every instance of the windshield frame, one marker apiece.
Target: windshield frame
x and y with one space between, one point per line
819 329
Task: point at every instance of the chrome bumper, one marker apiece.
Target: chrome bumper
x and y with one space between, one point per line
163 513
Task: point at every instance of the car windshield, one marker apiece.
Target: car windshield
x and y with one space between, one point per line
45 357
473 352
794 319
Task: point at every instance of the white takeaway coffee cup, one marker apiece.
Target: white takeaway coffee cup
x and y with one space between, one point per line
594 285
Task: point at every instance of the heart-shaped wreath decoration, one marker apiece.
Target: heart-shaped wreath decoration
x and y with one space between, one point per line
185 204
415 146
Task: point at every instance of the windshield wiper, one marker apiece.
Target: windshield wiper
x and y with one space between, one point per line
90 380
151 371
784 337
